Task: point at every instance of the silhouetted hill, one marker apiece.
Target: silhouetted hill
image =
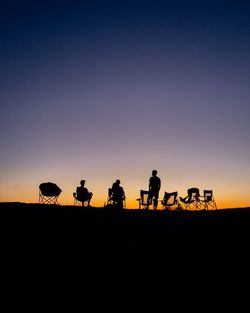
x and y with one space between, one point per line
97 247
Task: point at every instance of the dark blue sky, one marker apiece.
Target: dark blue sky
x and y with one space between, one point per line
112 89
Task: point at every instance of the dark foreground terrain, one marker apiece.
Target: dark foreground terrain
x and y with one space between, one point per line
60 247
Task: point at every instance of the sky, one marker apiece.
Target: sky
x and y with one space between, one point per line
106 90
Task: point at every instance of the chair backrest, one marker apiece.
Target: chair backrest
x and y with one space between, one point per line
110 193
49 189
170 198
145 199
208 195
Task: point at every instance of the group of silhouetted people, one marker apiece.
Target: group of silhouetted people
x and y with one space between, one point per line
117 194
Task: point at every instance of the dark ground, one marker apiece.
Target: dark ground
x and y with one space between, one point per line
56 248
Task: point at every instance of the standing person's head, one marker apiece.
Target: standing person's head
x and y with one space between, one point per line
154 172
118 182
82 182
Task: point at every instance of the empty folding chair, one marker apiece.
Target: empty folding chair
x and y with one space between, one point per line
208 201
192 200
144 201
49 193
170 201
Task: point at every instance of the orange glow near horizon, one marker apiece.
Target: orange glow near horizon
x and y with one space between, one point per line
117 92
23 186
30 195
230 188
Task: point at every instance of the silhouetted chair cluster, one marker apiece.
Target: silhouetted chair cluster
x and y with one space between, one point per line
171 201
194 201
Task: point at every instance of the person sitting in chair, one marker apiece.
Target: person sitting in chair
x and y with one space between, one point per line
118 194
82 193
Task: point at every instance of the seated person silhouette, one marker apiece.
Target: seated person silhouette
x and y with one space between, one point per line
82 194
189 197
118 194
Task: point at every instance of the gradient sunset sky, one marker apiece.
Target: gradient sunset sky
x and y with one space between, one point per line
106 90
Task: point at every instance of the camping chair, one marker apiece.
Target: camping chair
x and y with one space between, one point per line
49 193
111 201
192 200
144 201
208 202
170 201
77 202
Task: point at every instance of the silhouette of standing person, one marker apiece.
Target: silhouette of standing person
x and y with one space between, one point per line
118 194
154 188
82 193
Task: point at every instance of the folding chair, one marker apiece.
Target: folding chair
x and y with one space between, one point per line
111 201
192 200
77 202
170 201
49 193
208 202
144 201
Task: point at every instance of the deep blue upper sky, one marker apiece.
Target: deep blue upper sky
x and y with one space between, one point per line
96 83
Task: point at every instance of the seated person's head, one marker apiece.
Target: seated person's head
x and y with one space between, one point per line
82 182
